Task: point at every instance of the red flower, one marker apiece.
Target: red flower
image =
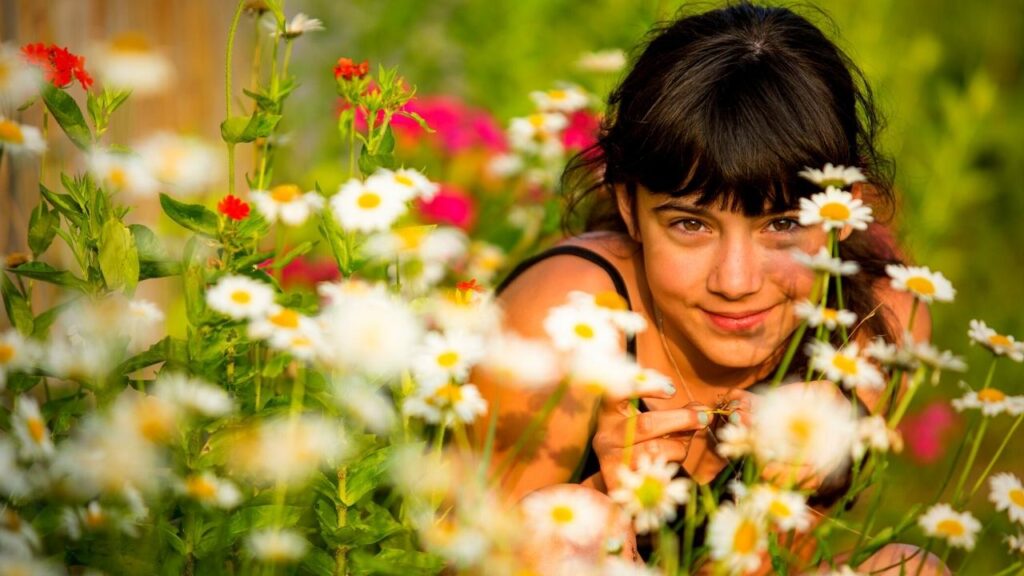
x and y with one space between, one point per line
347 69
469 285
59 63
233 207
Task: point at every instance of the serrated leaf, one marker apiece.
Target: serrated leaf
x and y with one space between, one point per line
192 216
68 115
46 273
248 128
119 259
42 228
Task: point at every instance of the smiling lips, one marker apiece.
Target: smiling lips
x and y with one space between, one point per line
737 321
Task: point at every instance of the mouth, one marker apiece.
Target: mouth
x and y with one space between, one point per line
740 321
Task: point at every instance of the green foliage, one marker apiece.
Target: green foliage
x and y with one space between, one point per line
67 114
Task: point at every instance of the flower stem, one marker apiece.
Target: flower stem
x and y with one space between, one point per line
227 92
790 352
970 460
995 457
915 383
627 455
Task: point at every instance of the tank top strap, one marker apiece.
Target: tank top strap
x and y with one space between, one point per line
586 254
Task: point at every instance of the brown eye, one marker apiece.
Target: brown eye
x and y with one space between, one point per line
784 225
690 225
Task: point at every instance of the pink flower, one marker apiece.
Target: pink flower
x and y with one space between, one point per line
582 130
458 127
924 432
451 205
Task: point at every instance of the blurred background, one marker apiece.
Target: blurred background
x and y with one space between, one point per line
948 75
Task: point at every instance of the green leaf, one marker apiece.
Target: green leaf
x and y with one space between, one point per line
417 119
46 273
369 163
42 228
119 259
365 474
395 562
64 204
153 259
66 112
17 306
387 142
43 322
248 128
297 251
366 525
192 216
318 562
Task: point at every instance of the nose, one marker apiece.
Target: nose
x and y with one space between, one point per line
738 272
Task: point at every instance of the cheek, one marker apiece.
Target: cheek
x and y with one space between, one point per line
789 276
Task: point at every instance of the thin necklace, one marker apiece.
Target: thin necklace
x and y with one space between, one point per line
664 346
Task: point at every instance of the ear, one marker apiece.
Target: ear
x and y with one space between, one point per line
857 192
626 205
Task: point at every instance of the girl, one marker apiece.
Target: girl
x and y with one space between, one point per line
689 202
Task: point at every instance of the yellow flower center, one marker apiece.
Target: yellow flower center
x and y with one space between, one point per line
94 517
991 395
921 285
6 353
561 514
155 419
449 393
131 42
301 342
845 364
412 236
447 359
835 211
779 509
834 182
800 429
830 314
170 162
368 200
584 331
650 492
950 527
36 429
404 180
285 319
200 488
745 539
5 72
1017 497
285 193
557 95
241 297
117 177
999 341
611 300
11 132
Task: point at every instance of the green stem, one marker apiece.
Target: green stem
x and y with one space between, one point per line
913 314
790 352
341 552
924 556
535 423
915 383
279 238
970 460
227 91
995 457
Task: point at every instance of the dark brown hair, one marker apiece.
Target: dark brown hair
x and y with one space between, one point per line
728 106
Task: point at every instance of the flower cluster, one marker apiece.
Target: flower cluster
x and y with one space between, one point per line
61 66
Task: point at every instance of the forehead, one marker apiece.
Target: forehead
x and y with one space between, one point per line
720 204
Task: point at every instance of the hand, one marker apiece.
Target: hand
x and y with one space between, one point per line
665 434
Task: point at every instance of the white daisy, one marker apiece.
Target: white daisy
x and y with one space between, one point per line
19 80
485 260
193 394
445 357
16 354
998 344
505 165
17 537
939 360
891 355
370 332
834 176
299 25
835 209
186 165
844 570
612 374
240 297
829 317
574 328
845 366
464 309
443 403
287 203
611 60
408 183
649 494
16 565
1008 494
566 513
957 528
538 133
1015 543
786 509
804 424
734 441
20 139
924 284
209 490
518 362
30 429
14 482
737 538
277 546
991 401
369 405
289 450
358 206
130 62
286 329
874 434
613 306
822 261
566 99
142 322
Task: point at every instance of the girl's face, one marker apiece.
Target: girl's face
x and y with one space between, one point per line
725 281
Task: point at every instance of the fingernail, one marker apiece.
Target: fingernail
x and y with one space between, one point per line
703 418
734 417
670 389
733 405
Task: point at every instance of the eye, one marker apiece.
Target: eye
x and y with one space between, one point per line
689 224
784 225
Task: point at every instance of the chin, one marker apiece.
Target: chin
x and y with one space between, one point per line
739 355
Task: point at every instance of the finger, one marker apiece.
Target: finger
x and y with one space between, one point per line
671 450
659 423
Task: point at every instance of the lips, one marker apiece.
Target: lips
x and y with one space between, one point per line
737 321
